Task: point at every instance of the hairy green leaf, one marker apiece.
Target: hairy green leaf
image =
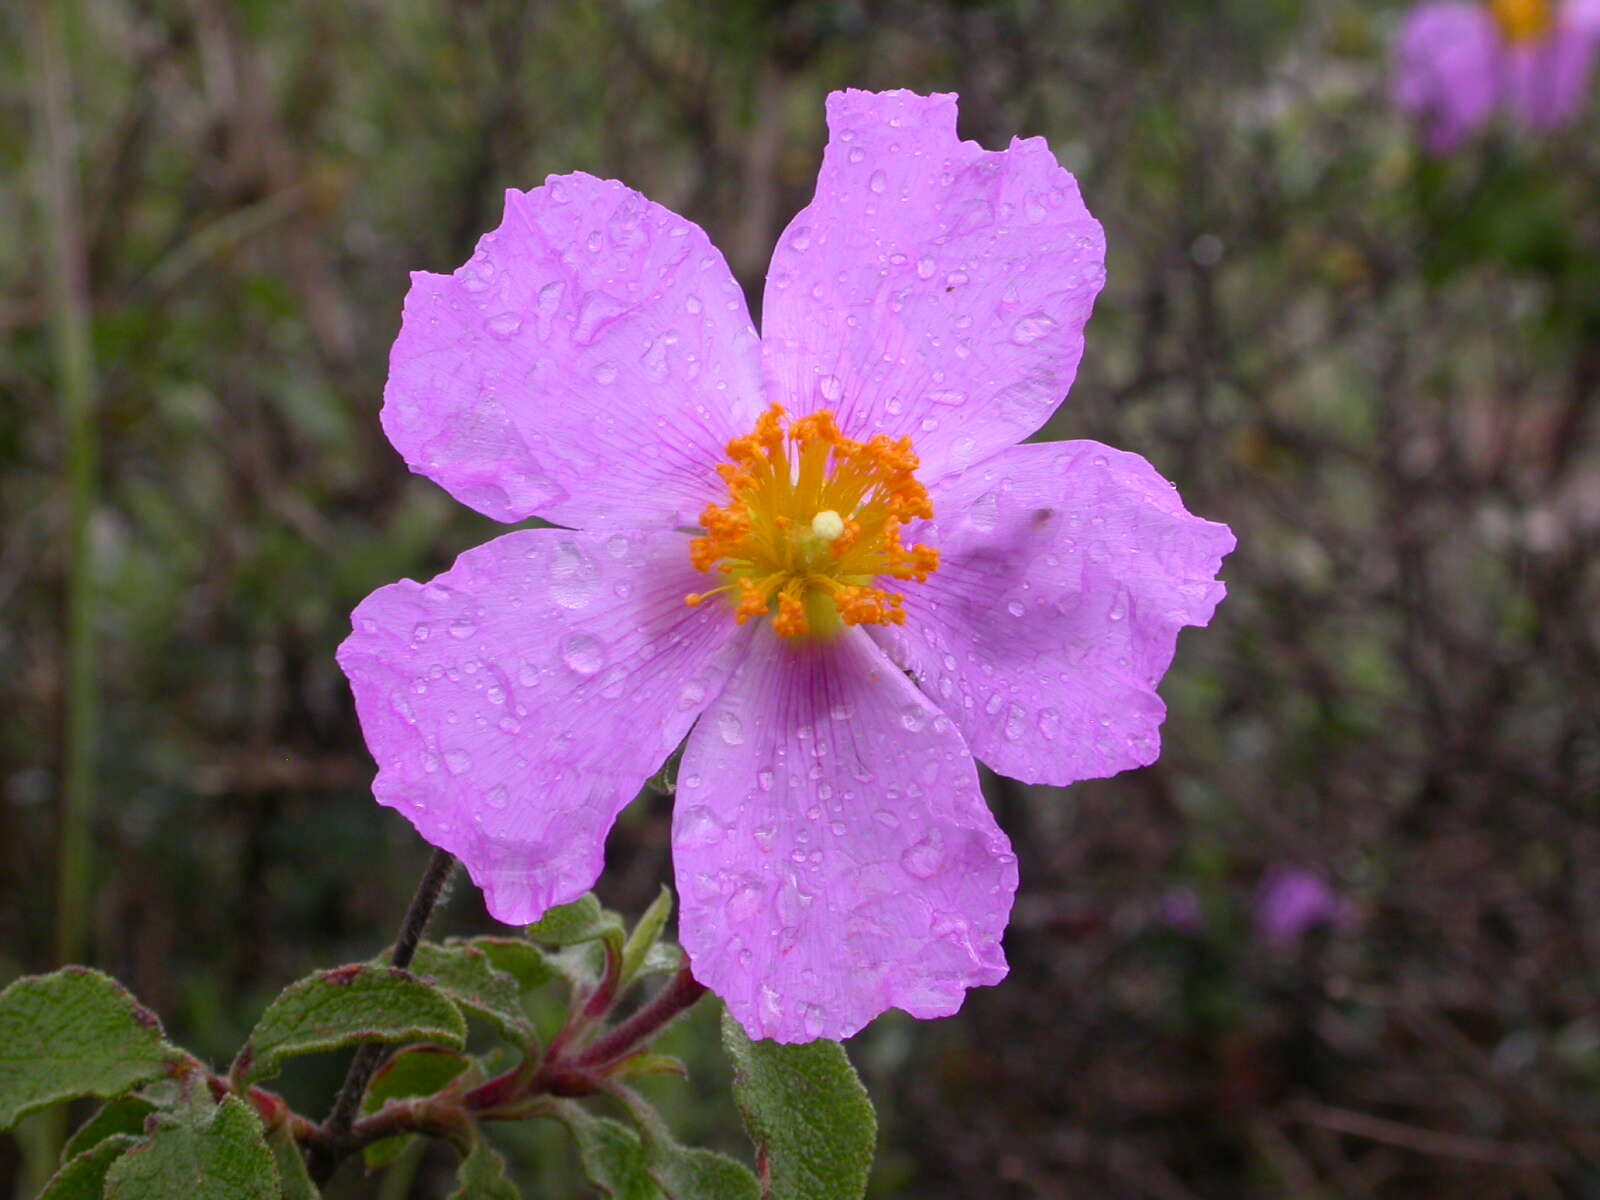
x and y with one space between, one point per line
649 1064
415 1071
219 1154
628 1166
521 960
695 1173
807 1113
581 921
344 1006
482 1176
611 1154
645 935
75 1032
83 1177
125 1114
467 975
294 1181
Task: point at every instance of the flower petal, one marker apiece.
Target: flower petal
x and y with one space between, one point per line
1547 82
834 854
1066 571
588 364
517 702
932 287
1447 69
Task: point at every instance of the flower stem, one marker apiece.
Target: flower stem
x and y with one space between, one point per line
335 1131
676 998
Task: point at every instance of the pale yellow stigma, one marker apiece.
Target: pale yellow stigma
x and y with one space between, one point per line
1523 20
827 525
812 527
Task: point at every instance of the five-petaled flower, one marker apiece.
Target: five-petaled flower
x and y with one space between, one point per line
1457 61
819 555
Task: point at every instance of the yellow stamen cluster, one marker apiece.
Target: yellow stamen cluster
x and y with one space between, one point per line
812 523
1523 20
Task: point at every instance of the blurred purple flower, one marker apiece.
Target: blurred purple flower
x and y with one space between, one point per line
1180 909
1456 62
594 364
1291 903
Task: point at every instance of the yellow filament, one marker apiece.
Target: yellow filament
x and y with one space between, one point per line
812 525
1523 20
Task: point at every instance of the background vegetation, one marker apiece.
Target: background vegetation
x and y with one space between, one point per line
1382 370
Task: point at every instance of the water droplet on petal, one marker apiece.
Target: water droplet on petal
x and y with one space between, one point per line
731 728
923 859
458 761
583 654
503 325
1031 328
698 827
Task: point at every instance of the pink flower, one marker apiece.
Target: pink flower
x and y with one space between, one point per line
838 602
1456 62
1291 903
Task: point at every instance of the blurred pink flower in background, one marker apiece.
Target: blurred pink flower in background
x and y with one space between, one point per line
735 581
1291 902
1457 63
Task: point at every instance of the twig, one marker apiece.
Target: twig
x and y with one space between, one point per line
1432 1142
336 1129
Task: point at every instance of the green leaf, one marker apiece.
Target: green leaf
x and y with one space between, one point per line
293 1179
664 958
581 921
199 1155
415 1071
468 976
627 1167
84 1175
521 960
611 1154
125 1114
807 1113
649 1064
695 1173
72 1033
482 1176
644 937
344 1006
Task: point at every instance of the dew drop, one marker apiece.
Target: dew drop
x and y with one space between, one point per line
503 325
922 859
731 728
463 627
458 761
1049 722
743 904
583 654
1031 328
1015 716
497 797
698 827
830 387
